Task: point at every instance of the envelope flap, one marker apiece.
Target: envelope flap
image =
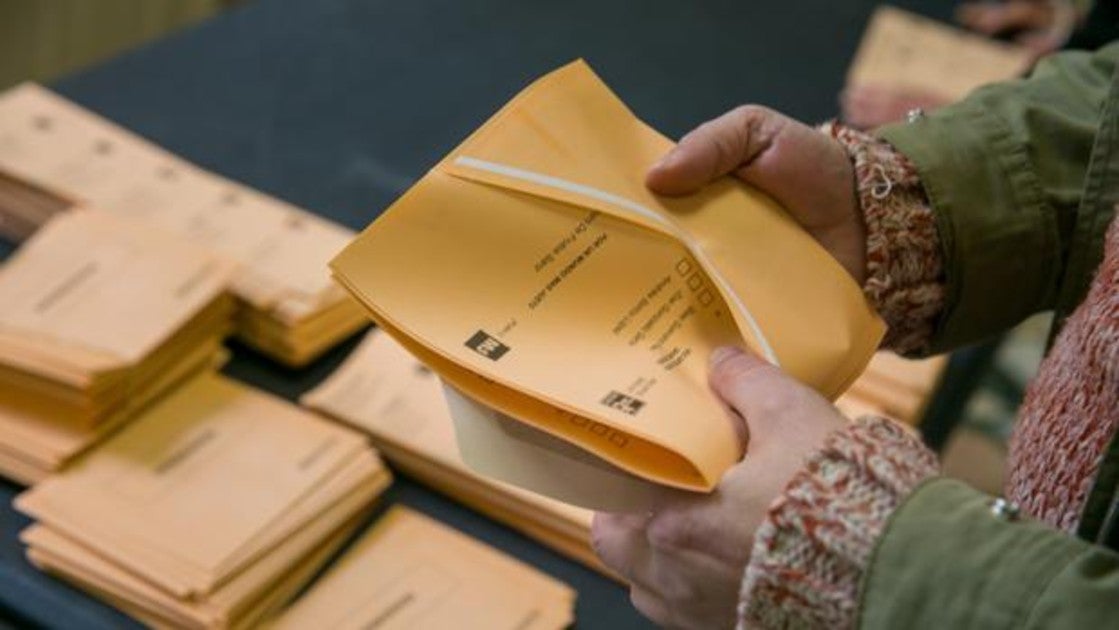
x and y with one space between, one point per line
542 184
569 138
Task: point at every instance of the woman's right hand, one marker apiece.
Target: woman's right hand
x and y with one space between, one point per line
1042 26
806 171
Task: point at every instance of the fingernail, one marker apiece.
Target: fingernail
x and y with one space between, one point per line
665 161
723 353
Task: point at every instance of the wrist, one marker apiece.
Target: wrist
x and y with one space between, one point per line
810 553
904 264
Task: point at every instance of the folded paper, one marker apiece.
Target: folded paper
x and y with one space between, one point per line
535 273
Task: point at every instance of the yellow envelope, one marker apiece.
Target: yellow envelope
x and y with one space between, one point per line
384 391
409 571
535 273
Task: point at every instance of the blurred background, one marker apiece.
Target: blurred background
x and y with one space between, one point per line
42 40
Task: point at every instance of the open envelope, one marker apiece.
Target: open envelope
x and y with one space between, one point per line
535 273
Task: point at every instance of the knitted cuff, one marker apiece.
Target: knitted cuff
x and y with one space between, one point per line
905 270
810 553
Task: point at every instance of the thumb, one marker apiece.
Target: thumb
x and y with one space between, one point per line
715 148
774 405
805 171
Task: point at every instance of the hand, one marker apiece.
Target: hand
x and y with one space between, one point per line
807 172
869 106
1043 26
685 560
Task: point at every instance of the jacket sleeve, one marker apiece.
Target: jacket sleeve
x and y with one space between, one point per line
1003 171
947 560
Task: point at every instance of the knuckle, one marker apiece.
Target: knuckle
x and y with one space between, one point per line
749 112
726 148
600 535
752 119
672 531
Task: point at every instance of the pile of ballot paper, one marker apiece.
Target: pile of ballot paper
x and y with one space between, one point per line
53 153
409 571
99 318
25 207
211 509
384 391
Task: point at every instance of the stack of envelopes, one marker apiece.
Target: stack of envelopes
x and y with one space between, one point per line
409 571
54 150
901 388
98 317
383 390
24 207
211 509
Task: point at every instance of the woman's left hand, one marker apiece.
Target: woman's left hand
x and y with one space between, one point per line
685 559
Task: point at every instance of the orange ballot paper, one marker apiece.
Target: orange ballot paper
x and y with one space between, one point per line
570 310
410 571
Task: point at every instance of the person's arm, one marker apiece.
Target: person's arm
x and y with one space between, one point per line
866 531
867 536
829 524
1003 172
947 560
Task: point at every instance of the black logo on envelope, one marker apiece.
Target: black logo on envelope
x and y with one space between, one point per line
487 346
623 403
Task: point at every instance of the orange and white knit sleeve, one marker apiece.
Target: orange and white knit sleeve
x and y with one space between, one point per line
810 554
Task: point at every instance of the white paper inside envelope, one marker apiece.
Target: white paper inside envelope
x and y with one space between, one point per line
497 446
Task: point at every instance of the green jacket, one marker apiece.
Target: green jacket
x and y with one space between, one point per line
1024 179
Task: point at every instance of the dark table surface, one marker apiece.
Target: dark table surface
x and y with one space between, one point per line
339 105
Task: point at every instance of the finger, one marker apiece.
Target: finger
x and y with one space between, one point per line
993 19
793 153
1041 43
714 149
777 409
684 530
743 380
696 575
863 107
651 605
620 542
